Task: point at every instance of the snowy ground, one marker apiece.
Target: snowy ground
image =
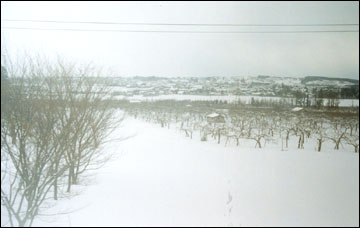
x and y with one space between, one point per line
162 178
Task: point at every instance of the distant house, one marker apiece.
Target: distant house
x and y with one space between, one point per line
296 109
215 118
135 101
222 111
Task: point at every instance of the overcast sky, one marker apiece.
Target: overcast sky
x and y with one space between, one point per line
192 54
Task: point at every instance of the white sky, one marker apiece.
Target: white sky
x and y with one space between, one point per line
177 54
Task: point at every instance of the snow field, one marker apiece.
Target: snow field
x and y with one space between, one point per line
159 177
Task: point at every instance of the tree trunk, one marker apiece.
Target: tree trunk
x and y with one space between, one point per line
287 139
218 136
22 223
319 147
258 142
302 140
55 181
71 174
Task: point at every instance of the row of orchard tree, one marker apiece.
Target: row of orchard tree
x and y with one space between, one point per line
54 123
261 126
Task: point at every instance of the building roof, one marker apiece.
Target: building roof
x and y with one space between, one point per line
296 109
135 101
212 115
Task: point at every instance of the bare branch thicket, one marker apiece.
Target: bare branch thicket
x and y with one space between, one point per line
352 137
55 120
28 147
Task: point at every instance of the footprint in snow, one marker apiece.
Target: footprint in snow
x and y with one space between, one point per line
229 198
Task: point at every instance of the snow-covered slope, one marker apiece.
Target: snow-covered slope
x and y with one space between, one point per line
162 178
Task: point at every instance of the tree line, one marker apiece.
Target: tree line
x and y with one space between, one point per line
259 125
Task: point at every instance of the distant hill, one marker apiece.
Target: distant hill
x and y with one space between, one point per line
320 78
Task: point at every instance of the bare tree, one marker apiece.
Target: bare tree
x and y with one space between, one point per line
353 140
89 119
260 132
336 134
320 137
